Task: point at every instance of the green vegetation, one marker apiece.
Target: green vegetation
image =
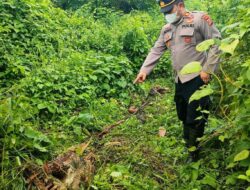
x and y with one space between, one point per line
66 74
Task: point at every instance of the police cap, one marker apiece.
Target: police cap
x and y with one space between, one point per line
166 5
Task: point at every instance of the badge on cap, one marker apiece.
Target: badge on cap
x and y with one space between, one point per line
163 4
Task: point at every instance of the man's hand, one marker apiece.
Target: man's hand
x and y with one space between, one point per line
205 77
141 77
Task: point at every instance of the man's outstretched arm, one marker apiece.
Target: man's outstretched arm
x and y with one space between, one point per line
152 58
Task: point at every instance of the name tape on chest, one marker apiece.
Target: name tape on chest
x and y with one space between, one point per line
190 25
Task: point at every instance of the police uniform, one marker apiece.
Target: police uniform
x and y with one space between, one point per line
181 39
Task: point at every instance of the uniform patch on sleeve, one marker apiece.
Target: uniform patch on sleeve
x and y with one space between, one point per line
208 19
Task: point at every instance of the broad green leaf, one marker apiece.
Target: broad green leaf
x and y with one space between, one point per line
193 67
229 48
51 109
84 118
36 135
205 45
242 177
93 77
195 174
29 132
206 91
196 165
241 156
122 83
41 106
209 180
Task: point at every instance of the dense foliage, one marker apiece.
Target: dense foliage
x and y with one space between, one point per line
65 74
123 5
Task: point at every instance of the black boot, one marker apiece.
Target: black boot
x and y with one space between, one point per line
195 155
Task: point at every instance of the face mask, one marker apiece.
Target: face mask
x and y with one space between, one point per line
172 18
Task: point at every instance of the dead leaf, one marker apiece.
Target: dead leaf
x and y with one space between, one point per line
113 144
132 110
162 132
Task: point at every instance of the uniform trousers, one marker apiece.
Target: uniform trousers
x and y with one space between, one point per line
194 120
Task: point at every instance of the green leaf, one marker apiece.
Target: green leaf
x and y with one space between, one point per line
205 45
40 148
193 67
29 132
198 94
231 179
122 83
18 161
84 118
241 156
231 165
248 173
243 177
196 165
116 174
93 77
221 138
41 106
36 135
39 162
230 26
195 174
209 180
229 48
51 109
192 149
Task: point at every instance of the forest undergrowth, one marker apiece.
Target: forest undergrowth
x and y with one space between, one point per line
67 76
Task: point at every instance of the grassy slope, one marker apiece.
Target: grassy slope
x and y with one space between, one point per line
135 157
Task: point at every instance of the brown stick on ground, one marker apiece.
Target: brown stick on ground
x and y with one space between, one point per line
153 92
109 128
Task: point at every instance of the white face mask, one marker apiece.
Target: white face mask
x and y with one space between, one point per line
171 18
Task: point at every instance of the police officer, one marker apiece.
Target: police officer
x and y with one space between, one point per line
183 32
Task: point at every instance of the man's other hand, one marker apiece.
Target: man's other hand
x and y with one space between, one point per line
141 77
205 77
